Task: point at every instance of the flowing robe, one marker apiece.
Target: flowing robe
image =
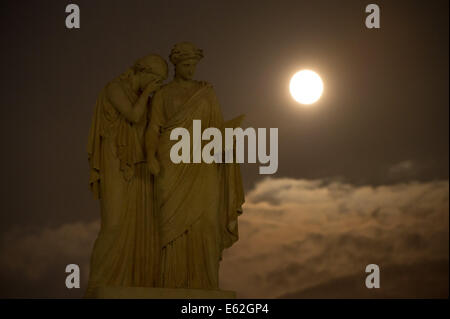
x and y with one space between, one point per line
197 203
126 251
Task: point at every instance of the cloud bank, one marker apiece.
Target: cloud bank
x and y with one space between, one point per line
308 238
298 239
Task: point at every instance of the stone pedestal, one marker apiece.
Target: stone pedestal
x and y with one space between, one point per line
160 293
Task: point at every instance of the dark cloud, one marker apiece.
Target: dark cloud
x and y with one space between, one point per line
33 264
421 280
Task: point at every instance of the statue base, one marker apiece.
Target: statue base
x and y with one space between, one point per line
160 293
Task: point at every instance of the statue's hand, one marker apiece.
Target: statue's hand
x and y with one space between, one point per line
152 86
153 165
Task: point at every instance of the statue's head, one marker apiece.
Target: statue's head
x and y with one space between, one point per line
150 68
185 57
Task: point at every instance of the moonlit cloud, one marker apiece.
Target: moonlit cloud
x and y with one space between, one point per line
300 234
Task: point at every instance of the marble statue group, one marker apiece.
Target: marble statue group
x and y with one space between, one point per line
163 224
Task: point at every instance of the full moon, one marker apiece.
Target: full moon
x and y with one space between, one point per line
306 87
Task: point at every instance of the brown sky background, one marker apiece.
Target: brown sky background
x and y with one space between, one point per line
362 177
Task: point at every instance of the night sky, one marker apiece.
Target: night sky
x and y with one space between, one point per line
362 176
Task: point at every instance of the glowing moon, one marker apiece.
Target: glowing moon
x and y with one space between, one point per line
306 87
